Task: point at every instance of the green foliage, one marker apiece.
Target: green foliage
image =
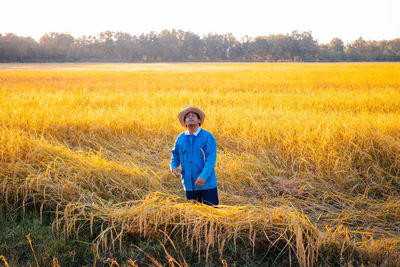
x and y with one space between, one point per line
181 46
14 245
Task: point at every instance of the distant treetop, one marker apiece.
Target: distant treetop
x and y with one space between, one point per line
181 46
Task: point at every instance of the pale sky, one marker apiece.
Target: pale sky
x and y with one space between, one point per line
346 19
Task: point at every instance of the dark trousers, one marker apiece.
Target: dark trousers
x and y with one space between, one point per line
208 196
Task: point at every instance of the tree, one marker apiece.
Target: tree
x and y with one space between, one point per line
334 51
216 47
178 45
14 48
336 45
57 46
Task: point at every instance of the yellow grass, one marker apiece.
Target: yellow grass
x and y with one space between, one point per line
307 153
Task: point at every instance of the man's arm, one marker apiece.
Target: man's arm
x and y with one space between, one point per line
211 157
175 161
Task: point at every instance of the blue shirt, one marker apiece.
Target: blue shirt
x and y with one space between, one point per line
197 154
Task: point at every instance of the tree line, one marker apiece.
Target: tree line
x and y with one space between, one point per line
181 46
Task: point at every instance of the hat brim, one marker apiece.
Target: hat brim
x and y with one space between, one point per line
182 114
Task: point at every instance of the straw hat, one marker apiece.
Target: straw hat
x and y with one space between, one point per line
182 114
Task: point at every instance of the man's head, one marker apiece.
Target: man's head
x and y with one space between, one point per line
191 116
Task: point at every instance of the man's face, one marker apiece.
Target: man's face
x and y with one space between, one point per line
192 119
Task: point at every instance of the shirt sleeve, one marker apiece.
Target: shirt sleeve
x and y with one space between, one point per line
175 162
211 158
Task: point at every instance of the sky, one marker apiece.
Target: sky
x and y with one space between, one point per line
344 19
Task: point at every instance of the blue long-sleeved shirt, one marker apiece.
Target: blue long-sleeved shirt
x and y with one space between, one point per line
197 154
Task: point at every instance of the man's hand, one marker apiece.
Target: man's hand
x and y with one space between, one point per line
176 172
200 182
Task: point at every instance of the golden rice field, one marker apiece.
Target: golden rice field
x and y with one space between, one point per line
308 158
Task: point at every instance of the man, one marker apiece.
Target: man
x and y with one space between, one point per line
195 151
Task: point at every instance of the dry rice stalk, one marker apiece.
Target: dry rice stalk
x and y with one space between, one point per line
4 260
33 251
55 262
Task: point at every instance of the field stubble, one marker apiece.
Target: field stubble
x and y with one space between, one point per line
308 154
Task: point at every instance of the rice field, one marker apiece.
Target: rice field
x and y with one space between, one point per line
308 159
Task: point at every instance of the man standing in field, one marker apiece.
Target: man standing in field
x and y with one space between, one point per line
195 151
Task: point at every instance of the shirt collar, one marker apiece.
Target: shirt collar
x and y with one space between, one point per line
195 133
